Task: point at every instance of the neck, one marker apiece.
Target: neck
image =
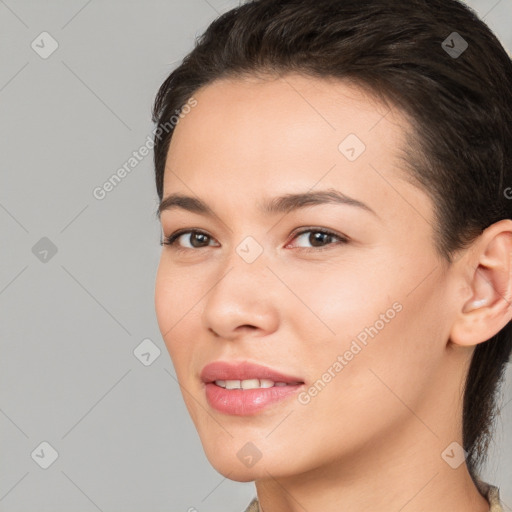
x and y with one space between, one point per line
403 471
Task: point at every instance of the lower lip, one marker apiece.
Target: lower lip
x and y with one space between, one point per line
244 402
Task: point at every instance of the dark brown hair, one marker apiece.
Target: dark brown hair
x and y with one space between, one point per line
459 106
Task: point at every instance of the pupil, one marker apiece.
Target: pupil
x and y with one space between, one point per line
198 236
319 237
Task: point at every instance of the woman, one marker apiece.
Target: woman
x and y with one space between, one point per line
335 279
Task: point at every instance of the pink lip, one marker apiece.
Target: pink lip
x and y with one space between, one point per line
244 402
221 370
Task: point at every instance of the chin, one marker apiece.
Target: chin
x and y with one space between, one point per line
236 472
242 462
249 475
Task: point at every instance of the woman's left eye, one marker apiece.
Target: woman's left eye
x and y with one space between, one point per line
315 236
319 236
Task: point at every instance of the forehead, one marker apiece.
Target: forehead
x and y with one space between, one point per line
259 137
261 119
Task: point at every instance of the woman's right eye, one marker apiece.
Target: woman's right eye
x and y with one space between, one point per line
197 236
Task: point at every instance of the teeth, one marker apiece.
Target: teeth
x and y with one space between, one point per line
232 384
266 383
248 384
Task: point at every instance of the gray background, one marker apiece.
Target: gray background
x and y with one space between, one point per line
70 321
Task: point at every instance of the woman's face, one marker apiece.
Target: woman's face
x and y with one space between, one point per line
358 319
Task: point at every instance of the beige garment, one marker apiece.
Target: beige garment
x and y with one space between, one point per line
490 492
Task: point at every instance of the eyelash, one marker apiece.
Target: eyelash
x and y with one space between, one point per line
173 238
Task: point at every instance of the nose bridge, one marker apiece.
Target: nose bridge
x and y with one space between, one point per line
250 250
246 265
240 295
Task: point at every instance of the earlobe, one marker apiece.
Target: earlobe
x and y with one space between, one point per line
489 307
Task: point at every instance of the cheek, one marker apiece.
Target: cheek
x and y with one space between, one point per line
369 324
172 308
339 301
164 301
174 297
391 352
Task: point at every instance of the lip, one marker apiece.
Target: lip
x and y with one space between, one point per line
246 402
222 370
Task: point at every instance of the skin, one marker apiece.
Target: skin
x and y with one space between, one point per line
372 439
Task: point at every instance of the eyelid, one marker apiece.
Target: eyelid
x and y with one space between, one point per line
342 239
317 229
172 238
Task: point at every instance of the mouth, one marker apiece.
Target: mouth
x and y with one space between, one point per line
245 375
246 388
252 384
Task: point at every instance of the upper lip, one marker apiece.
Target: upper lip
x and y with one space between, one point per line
223 370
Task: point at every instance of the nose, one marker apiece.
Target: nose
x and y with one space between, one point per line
243 300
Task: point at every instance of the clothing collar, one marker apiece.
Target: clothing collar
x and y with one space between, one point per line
490 492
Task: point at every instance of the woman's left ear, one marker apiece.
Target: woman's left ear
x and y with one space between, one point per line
489 307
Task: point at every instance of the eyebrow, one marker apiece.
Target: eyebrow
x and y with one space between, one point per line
277 205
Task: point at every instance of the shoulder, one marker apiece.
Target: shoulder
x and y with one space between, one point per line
254 507
492 494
